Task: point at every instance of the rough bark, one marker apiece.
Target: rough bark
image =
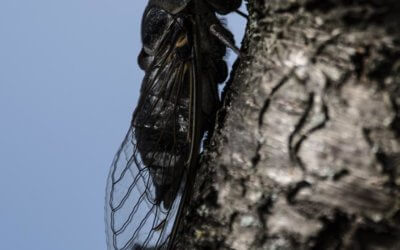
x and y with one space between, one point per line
306 152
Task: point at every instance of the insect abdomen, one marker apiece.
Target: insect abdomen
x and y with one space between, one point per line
163 145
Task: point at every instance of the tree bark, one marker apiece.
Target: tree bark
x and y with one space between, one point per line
306 150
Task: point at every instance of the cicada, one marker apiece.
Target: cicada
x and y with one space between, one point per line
184 44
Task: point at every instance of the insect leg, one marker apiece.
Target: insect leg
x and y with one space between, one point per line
242 14
222 34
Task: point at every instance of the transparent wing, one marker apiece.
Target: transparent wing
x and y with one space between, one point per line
147 177
134 219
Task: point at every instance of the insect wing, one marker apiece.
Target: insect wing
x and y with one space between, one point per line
133 218
147 177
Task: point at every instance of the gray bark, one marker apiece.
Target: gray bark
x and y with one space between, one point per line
306 151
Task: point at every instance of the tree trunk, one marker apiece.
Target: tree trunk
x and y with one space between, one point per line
306 151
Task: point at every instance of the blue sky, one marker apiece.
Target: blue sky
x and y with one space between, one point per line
69 82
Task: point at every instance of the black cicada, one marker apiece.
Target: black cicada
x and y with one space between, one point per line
184 44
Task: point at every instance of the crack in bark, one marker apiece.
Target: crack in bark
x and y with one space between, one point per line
293 150
291 194
388 162
331 237
267 101
296 148
395 124
256 158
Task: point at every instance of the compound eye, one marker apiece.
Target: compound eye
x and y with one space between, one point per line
144 60
155 26
172 6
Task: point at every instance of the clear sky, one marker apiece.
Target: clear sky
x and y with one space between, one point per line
69 82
